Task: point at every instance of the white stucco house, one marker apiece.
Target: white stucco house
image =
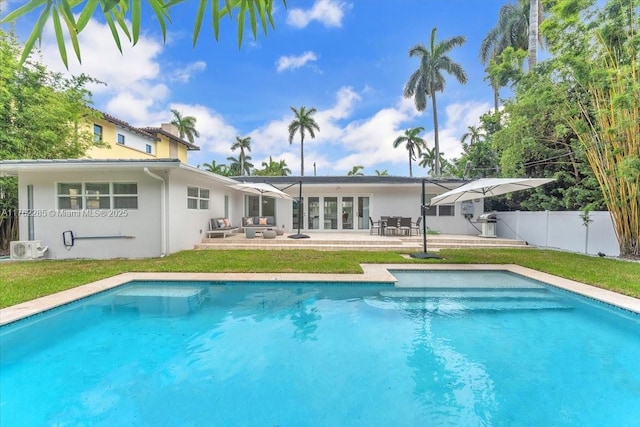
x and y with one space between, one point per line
89 208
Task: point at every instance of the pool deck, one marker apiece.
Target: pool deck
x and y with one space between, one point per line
371 273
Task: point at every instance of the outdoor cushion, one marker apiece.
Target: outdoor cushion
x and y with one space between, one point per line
248 220
262 221
221 223
227 222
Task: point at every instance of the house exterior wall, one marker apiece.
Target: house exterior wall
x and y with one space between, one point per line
134 144
187 227
142 224
384 200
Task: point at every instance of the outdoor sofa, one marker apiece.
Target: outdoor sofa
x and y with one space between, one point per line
258 222
220 227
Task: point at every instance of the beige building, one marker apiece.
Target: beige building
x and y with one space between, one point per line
120 140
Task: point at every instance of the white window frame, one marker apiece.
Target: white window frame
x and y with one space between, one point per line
84 197
198 198
435 210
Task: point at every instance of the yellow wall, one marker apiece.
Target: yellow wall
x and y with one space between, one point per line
163 149
115 151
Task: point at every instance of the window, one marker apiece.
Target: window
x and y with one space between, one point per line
97 195
97 133
120 139
125 195
147 148
197 198
440 210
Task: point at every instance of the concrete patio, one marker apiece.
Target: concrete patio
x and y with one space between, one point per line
359 241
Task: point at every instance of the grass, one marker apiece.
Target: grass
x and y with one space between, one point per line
23 281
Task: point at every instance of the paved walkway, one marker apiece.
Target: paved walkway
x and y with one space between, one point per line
359 241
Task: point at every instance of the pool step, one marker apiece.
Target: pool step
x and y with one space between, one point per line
454 300
159 300
449 306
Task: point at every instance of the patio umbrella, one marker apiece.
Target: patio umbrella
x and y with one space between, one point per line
478 189
487 187
262 189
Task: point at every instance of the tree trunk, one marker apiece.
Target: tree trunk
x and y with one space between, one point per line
436 162
302 156
410 170
533 33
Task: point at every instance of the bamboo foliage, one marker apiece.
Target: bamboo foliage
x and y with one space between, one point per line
609 130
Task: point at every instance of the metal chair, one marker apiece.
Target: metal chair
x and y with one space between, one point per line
374 225
393 224
416 226
404 225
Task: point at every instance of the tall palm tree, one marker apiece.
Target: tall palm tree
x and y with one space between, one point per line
518 27
186 125
302 123
428 78
535 19
244 144
356 171
238 167
413 143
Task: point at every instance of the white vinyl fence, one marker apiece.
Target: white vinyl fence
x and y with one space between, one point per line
561 230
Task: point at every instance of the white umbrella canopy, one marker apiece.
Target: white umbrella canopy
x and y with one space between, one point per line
487 187
261 188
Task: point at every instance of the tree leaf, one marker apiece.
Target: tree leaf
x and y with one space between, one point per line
35 33
23 10
114 31
60 37
86 14
136 12
199 17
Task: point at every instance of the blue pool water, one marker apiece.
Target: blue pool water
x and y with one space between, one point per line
472 349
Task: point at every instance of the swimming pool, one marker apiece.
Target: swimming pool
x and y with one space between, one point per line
481 348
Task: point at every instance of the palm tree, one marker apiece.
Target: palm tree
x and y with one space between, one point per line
428 160
428 78
356 171
244 144
302 123
518 27
238 167
273 168
186 125
382 172
474 134
215 168
414 144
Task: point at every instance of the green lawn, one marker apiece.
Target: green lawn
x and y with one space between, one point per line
23 281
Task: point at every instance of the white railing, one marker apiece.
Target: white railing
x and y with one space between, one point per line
561 230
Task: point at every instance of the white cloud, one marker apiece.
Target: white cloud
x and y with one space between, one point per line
327 12
184 74
293 62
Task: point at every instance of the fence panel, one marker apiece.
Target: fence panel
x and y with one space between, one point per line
561 230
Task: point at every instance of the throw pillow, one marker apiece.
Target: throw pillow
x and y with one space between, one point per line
227 222
249 220
220 223
263 221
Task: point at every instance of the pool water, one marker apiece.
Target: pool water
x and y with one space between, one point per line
484 348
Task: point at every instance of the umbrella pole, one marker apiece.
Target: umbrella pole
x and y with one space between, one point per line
423 209
298 235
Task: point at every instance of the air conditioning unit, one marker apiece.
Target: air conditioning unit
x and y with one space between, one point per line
27 249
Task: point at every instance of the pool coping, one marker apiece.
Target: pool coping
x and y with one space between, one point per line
371 273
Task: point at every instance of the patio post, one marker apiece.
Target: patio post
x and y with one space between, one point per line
423 210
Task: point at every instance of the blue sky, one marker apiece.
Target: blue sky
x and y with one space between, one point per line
348 59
